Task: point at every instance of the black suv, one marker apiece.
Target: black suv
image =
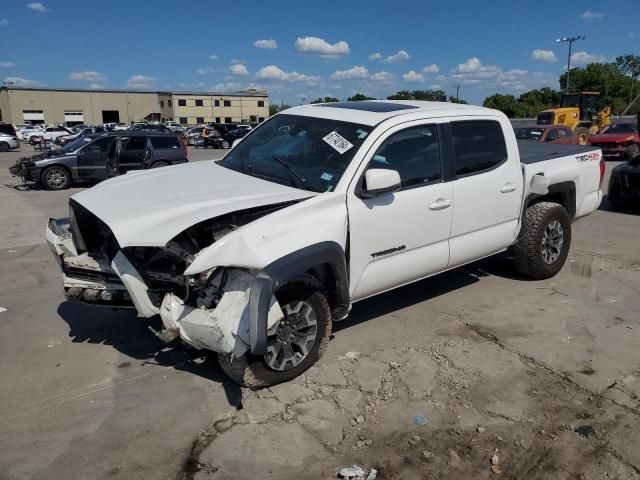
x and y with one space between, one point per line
100 156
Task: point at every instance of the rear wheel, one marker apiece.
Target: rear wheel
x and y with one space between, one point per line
55 178
294 344
583 135
544 241
159 164
225 144
4 147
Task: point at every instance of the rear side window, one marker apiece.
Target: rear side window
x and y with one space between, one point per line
478 145
136 143
165 142
414 153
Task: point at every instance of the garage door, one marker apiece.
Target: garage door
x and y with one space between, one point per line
73 116
30 115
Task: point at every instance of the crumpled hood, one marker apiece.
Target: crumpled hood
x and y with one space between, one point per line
150 207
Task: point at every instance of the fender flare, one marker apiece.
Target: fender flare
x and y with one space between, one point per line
277 273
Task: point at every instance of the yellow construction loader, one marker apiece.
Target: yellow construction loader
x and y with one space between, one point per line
578 112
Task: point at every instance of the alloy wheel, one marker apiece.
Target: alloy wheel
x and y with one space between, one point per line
56 178
552 241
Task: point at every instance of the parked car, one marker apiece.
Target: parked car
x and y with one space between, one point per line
624 183
193 134
99 156
615 139
120 127
8 129
49 133
151 127
25 132
8 142
547 134
229 132
254 257
63 140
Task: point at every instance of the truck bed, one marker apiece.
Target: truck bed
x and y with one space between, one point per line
532 151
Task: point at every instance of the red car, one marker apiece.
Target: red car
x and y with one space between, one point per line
547 134
614 139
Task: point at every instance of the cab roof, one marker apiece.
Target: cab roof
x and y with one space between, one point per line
372 112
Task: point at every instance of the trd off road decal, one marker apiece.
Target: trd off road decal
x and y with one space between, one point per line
388 251
587 157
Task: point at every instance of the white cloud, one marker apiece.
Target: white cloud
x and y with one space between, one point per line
433 68
37 6
582 58
213 56
544 55
7 64
375 56
632 35
96 86
4 22
205 70
88 76
271 72
413 76
473 72
237 60
435 86
238 69
20 82
269 44
140 81
382 77
355 72
399 56
590 16
319 46
227 87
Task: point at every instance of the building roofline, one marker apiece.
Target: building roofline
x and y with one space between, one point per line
251 93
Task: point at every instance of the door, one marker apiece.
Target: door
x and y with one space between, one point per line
403 236
487 190
132 154
92 159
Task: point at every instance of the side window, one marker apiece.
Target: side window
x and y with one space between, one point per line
136 143
414 153
100 146
478 145
165 142
552 135
565 133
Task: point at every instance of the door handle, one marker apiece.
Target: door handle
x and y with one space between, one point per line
440 204
508 187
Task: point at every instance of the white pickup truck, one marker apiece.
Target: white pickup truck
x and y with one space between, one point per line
255 255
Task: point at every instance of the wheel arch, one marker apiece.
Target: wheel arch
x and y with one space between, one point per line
325 261
563 193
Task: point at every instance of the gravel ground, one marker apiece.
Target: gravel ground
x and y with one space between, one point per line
471 374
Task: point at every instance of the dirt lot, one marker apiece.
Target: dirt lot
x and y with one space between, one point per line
428 381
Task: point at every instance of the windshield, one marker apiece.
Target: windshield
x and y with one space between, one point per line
305 152
74 145
528 133
619 128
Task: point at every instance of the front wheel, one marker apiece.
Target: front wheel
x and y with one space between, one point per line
294 344
55 178
225 144
159 164
543 244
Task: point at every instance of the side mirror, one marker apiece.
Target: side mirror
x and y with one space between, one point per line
381 181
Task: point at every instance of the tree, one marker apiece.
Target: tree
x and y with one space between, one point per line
429 95
453 99
629 65
359 97
507 104
325 100
275 108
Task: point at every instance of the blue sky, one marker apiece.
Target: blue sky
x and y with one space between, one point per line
302 50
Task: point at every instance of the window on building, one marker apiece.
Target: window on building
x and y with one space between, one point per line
171 142
227 103
260 119
169 103
260 103
182 120
253 118
478 145
216 103
199 119
227 119
217 119
199 103
161 103
182 102
414 153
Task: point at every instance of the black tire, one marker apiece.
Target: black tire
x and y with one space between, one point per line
4 147
253 371
583 135
55 177
159 164
529 253
225 144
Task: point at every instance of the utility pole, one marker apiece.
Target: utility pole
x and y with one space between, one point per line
569 40
457 93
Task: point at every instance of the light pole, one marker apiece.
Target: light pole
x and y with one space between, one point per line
570 40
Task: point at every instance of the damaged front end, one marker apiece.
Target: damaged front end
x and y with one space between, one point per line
210 310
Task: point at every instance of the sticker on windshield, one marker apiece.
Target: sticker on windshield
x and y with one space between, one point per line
338 142
326 177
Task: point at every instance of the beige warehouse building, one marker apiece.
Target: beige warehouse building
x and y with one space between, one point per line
94 107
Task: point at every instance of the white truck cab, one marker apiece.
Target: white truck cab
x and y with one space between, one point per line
319 207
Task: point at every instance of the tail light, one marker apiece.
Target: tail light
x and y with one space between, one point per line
602 168
183 143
